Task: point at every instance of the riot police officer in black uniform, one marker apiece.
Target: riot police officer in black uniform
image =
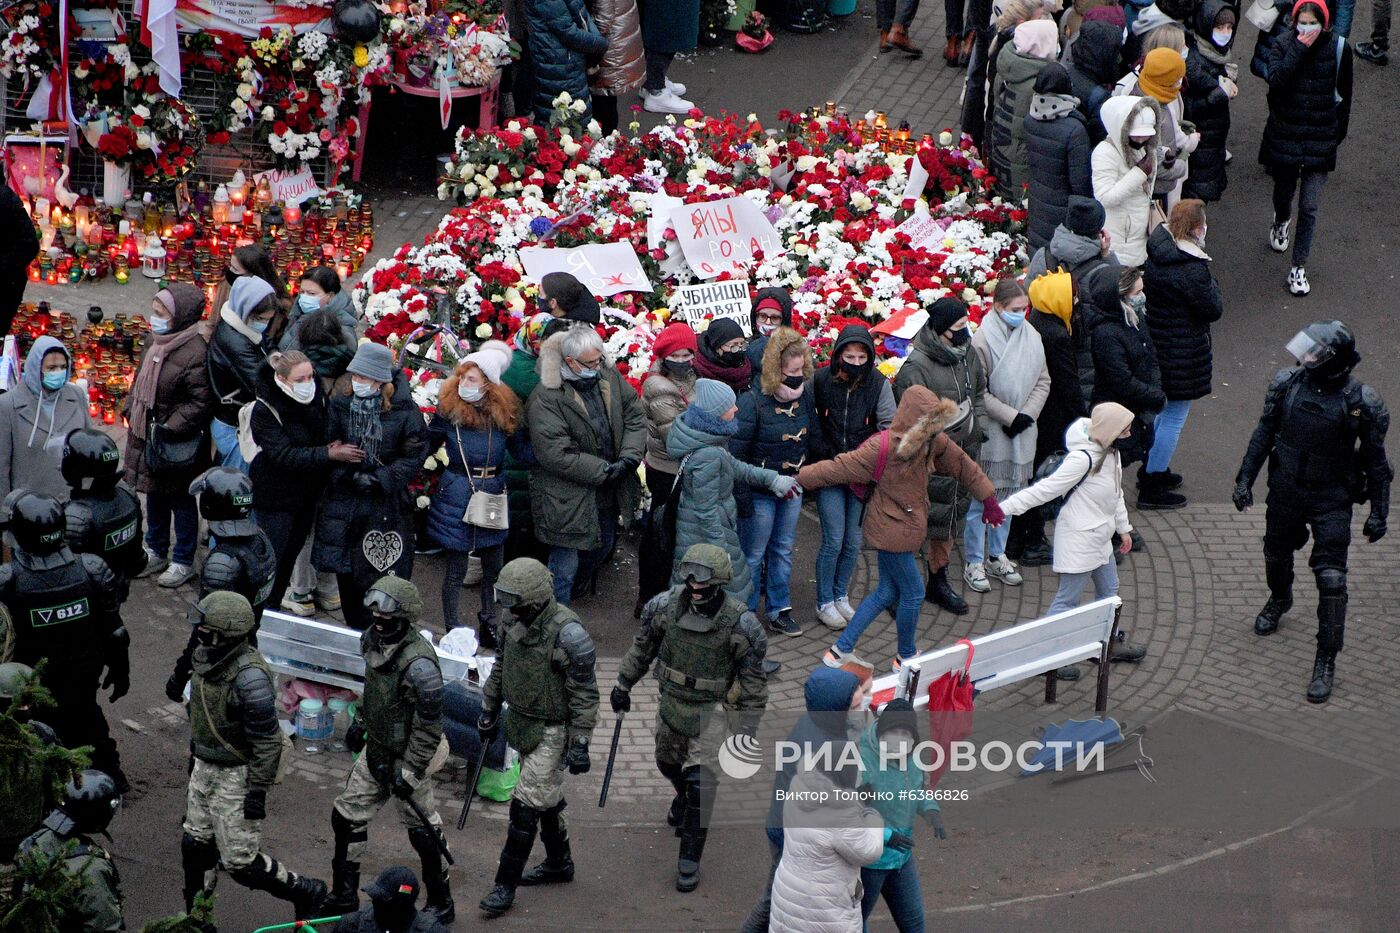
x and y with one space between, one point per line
240 559
1323 435
65 607
103 514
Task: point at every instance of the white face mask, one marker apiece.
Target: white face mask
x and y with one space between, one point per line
1222 37
364 389
1309 29
470 393
303 392
160 325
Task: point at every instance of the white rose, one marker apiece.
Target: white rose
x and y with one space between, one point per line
469 191
268 113
578 106
143 140
245 91
483 331
422 502
571 148
492 172
488 191
806 163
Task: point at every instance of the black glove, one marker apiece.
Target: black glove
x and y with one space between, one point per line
402 787
486 725
119 682
630 463
900 841
935 821
355 737
1018 424
1243 496
1374 529
614 472
577 760
175 688
365 482
255 804
621 700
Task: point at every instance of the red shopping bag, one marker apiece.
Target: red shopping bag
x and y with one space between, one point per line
950 711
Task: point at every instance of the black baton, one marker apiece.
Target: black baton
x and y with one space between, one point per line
612 759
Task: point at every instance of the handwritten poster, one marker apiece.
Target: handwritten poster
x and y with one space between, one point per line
291 187
923 231
723 236
699 304
604 268
248 17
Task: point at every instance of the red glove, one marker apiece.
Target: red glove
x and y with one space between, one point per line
992 513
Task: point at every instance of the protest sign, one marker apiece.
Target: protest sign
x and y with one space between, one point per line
248 17
696 304
290 187
604 268
923 231
723 236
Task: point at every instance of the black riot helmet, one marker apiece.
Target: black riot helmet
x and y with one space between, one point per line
1326 349
225 502
35 521
90 801
91 460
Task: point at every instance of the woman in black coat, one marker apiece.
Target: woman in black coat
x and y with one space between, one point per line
1057 148
1208 102
365 528
1093 71
1125 361
1183 300
1309 75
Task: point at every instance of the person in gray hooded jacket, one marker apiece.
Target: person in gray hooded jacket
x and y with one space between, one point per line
35 417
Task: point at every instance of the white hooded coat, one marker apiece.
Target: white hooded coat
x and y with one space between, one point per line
1124 189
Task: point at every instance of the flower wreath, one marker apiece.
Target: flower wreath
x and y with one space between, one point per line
30 47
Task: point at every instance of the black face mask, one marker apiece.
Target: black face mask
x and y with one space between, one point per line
853 371
388 631
793 382
707 600
1123 444
732 360
960 336
394 915
230 276
678 369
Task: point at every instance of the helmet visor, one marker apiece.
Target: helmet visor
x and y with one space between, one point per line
506 598
1308 351
381 603
697 572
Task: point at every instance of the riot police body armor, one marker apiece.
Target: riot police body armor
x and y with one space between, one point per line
103 515
1323 435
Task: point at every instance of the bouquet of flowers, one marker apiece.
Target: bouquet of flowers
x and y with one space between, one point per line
755 35
30 47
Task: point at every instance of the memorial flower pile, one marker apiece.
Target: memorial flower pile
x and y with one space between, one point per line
844 238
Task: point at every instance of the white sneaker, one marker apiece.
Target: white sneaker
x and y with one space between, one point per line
474 574
175 575
675 87
1278 237
299 604
1002 569
155 563
831 617
1298 281
835 657
976 577
843 606
666 101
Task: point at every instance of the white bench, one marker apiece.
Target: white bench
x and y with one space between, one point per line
1020 652
327 653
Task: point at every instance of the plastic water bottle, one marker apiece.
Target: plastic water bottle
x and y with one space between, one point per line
314 724
340 722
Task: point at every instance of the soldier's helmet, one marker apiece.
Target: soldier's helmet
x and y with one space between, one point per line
1325 347
225 501
228 613
524 581
396 598
90 800
14 676
90 460
35 520
706 562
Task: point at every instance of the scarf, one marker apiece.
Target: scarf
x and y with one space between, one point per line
785 394
1047 107
738 378
147 382
1015 360
366 427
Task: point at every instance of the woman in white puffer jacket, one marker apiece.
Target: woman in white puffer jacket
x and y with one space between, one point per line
1091 480
826 840
1124 171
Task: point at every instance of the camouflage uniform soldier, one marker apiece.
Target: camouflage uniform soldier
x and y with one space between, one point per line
545 674
24 790
702 642
237 746
89 803
403 745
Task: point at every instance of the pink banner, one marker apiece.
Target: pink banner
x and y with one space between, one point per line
248 17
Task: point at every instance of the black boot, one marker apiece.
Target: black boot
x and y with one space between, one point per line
1324 667
676 776
1278 573
1170 480
520 839
938 592
699 798
436 883
345 874
1123 650
558 864
197 859
307 895
1153 494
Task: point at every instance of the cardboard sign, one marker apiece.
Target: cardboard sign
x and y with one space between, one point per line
291 187
723 236
604 268
923 231
697 304
248 17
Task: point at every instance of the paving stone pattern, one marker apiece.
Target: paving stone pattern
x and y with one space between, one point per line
923 91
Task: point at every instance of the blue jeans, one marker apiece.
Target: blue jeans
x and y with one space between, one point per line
1072 587
568 564
902 586
768 535
1342 15
226 443
900 887
1167 430
976 535
160 510
840 513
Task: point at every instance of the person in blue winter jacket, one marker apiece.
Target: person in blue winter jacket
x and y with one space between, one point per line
562 39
